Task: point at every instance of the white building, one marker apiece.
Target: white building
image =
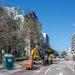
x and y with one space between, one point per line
69 52
12 11
15 13
21 18
73 44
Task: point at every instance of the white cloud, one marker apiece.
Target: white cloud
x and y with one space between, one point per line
74 24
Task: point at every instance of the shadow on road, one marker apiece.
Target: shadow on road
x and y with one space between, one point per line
55 61
35 68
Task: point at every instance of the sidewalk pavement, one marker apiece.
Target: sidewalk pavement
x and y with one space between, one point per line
17 67
15 64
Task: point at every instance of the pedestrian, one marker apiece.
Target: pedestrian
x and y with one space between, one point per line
51 59
46 59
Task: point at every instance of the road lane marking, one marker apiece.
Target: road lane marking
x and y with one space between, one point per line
60 73
37 71
48 69
57 68
70 67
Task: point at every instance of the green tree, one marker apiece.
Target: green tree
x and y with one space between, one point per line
9 30
56 53
64 53
31 31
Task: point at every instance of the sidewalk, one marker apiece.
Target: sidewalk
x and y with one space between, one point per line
17 67
15 64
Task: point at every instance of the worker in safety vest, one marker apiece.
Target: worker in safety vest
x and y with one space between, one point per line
51 59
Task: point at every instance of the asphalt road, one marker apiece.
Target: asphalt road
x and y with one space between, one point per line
57 68
60 68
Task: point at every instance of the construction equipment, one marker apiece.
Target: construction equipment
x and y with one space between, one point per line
35 54
28 64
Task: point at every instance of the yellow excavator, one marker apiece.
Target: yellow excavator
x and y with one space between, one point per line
35 55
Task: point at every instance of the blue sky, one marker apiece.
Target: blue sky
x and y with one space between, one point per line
57 18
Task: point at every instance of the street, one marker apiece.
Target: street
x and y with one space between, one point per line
37 37
59 67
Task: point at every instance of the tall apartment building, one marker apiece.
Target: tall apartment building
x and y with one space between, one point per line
32 15
30 42
46 42
43 40
73 44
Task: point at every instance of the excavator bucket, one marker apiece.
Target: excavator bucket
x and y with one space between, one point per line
28 64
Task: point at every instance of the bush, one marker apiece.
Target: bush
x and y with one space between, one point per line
20 58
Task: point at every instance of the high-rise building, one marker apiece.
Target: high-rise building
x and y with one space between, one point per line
16 13
73 44
30 42
32 15
46 38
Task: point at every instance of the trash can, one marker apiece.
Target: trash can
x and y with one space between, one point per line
8 61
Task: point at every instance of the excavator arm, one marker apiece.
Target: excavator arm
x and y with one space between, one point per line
34 54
